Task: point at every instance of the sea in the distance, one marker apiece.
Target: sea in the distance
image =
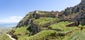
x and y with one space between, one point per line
7 25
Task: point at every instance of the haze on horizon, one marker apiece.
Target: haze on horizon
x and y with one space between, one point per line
12 11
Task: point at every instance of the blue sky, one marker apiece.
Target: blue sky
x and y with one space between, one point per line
14 10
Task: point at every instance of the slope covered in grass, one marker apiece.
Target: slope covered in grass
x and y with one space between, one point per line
4 37
43 35
43 20
76 35
62 26
21 31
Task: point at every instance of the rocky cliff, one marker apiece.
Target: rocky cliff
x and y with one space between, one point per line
78 12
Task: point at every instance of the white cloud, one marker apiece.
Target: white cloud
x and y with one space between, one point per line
12 19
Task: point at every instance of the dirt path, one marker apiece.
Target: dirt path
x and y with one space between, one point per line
10 37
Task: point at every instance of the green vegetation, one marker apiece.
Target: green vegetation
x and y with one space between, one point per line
51 34
62 26
3 32
42 12
4 37
76 35
44 20
23 37
21 31
80 35
43 35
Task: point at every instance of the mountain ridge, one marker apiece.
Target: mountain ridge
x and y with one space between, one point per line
52 25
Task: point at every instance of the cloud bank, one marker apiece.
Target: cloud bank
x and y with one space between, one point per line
12 19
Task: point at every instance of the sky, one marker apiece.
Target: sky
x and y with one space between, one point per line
12 11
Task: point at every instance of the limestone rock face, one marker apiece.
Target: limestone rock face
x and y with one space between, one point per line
82 2
78 11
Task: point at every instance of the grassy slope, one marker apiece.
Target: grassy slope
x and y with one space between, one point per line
4 37
44 20
52 34
77 35
21 30
43 35
62 26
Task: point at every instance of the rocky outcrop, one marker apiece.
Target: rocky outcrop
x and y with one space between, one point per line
38 14
33 28
82 2
73 24
76 13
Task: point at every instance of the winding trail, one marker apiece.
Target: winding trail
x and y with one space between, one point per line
10 37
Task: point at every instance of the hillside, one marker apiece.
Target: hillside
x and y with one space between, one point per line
52 25
3 31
